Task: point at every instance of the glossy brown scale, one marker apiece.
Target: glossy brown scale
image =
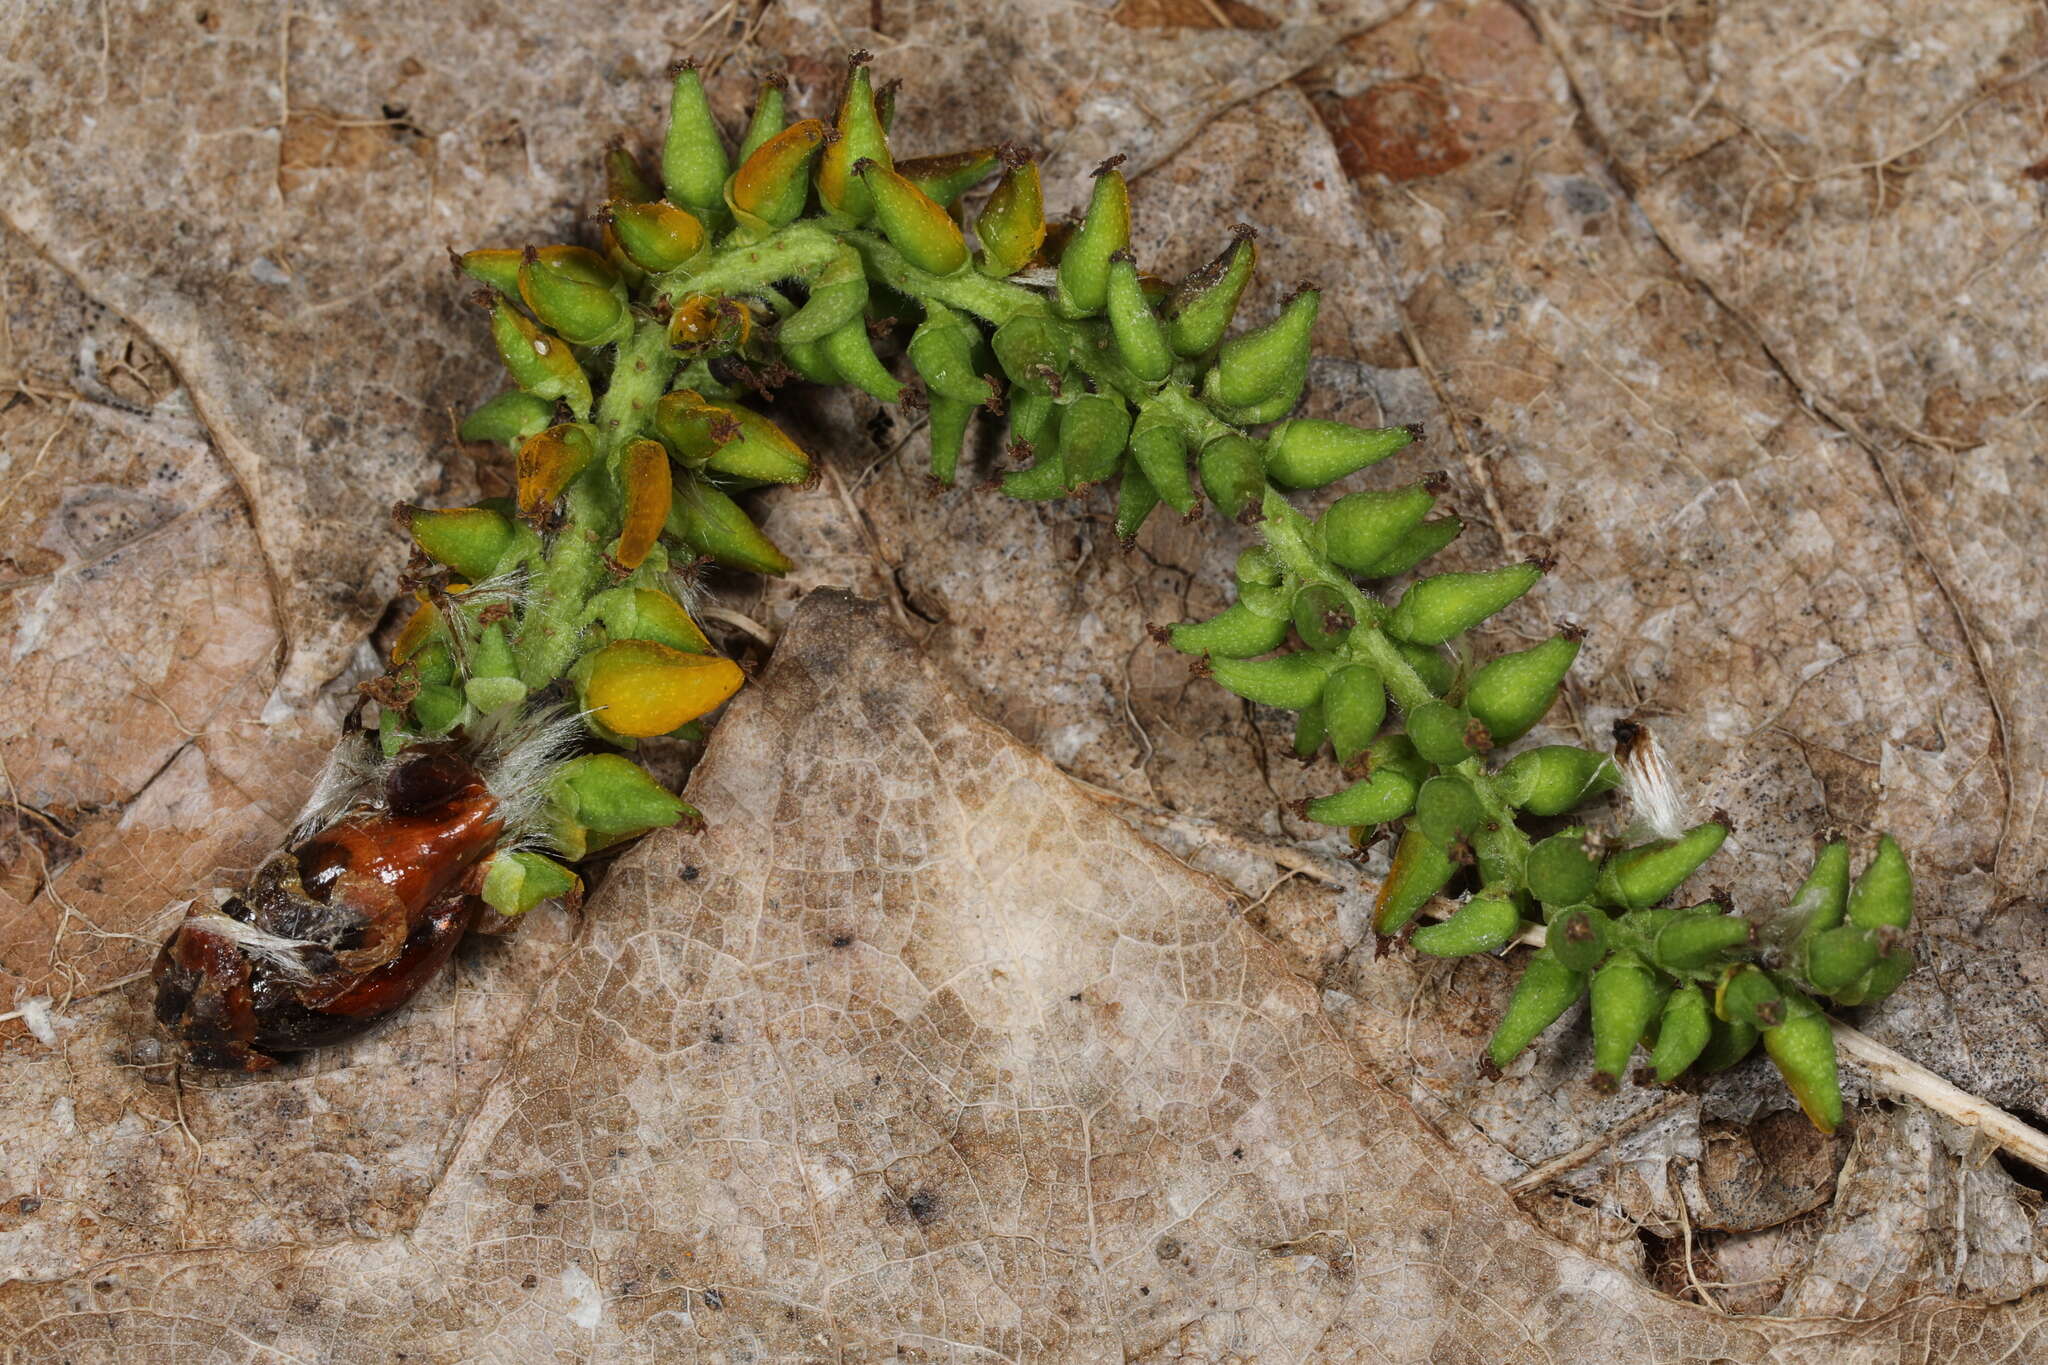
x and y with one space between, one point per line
344 927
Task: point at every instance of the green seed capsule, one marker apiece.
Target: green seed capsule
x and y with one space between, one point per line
1309 452
1512 692
1093 433
1727 1044
1034 418
1354 708
1257 565
470 540
1045 479
1579 937
497 267
517 881
1824 898
1238 633
1421 867
1449 604
714 526
1555 778
1558 872
1232 474
1746 995
1084 264
1161 450
942 353
1892 968
948 431
773 181
1436 671
771 115
656 237
1682 1033
1201 306
1689 941
1442 733
1035 353
1309 731
838 297
539 362
1447 810
949 175
1480 925
508 419
1547 989
915 223
1883 895
1803 1050
1135 499
861 138
1362 528
1140 340
853 355
807 358
1394 753
1291 681
1627 995
1418 545
1643 875
1838 958
693 160
603 799
1322 616
1268 363
575 293
1388 794
438 708
1011 227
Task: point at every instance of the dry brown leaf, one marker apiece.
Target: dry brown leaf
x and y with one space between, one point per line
915 1049
1628 264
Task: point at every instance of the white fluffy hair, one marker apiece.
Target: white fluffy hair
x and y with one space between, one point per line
516 752
1660 808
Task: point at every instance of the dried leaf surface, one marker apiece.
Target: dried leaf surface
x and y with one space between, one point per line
915 1049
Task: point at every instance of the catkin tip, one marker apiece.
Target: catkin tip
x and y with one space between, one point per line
1244 232
777 80
1106 167
1013 155
680 65
1414 430
859 57
1572 631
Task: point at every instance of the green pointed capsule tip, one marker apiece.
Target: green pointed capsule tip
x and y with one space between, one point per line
693 159
1083 285
1200 308
770 113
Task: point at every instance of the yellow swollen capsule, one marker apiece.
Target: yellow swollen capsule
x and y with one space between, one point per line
1011 227
915 224
640 688
769 188
539 362
646 492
